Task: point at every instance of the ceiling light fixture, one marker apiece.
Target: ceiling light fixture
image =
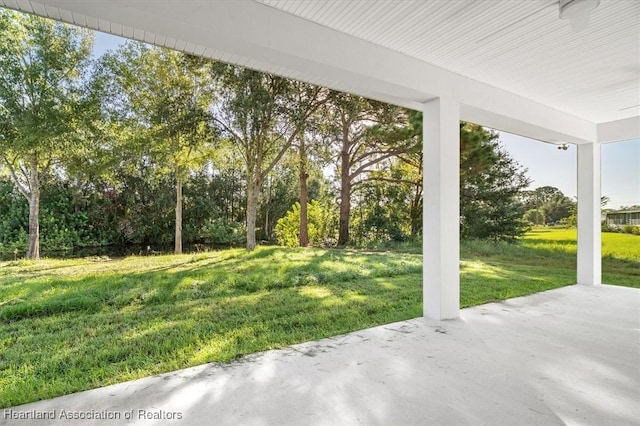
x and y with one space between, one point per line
570 9
559 144
577 12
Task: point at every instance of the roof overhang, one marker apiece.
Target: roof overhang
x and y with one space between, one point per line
620 130
257 36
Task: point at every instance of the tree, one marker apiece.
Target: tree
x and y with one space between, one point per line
535 216
288 226
310 145
404 179
388 203
45 108
550 201
263 115
165 96
365 133
490 184
303 174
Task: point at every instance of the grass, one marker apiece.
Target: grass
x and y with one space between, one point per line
544 259
71 325
620 253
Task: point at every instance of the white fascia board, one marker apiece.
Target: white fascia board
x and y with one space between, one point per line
502 110
265 38
619 130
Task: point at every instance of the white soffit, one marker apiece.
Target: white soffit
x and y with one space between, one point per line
508 73
520 46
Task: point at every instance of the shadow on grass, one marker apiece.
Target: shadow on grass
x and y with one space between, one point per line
521 253
483 282
65 333
98 330
549 242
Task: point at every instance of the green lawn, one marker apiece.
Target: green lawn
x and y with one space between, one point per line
70 325
544 259
620 252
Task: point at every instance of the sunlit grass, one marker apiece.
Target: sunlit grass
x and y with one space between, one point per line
70 325
620 252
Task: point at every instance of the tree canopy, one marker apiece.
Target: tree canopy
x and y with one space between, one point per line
150 146
45 107
547 205
163 98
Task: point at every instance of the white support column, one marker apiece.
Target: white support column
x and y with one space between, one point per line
441 209
589 239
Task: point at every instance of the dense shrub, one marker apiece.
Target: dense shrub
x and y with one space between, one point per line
288 227
605 227
64 219
14 216
138 209
631 229
224 232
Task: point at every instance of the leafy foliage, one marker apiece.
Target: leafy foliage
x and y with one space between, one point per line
46 113
262 115
490 182
162 97
68 218
553 206
364 134
158 146
288 227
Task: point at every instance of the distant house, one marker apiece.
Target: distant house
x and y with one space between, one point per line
618 219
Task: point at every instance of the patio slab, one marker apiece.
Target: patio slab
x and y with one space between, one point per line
566 356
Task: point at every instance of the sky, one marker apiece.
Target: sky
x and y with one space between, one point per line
104 42
546 165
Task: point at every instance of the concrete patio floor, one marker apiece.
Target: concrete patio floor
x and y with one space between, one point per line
566 356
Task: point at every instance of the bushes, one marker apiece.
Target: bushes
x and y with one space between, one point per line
631 229
626 229
133 211
288 227
14 216
221 231
64 223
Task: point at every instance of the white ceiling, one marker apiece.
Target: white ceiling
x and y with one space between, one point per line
512 65
520 46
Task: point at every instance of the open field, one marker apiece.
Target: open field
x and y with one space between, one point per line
70 325
620 252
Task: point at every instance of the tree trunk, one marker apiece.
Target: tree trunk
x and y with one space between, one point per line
233 190
253 187
303 237
416 204
266 203
33 252
178 243
416 211
345 190
416 217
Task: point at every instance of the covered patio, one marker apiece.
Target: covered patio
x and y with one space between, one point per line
565 356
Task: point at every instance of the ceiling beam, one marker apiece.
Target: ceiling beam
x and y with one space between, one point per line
619 130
